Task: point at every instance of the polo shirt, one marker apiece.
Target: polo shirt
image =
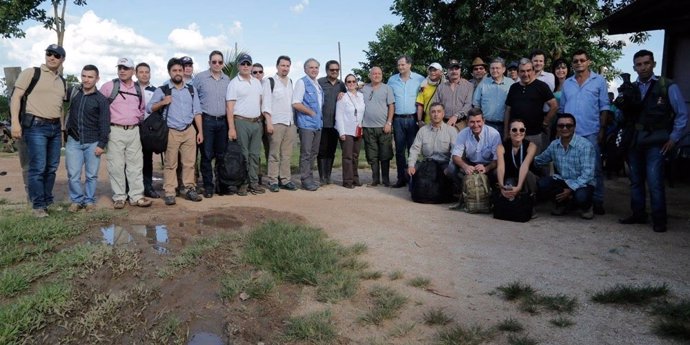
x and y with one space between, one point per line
377 102
211 92
45 100
405 92
246 92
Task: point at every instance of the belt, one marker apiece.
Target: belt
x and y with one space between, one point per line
212 117
405 116
44 120
125 127
249 119
183 129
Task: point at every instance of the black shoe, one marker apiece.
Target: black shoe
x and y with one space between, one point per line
289 186
273 187
169 200
634 219
310 186
599 209
659 227
192 195
208 195
150 193
399 184
348 185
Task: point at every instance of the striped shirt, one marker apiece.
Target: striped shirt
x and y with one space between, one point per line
211 92
575 165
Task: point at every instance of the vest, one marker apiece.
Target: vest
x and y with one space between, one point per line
657 112
311 101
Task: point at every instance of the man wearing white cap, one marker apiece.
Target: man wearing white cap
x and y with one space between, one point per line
125 160
427 91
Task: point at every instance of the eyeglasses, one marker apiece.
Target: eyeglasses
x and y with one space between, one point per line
579 60
565 125
56 55
515 130
351 81
246 63
217 62
478 68
123 67
257 72
334 70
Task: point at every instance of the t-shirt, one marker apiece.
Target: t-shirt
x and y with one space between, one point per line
46 98
526 103
376 101
424 99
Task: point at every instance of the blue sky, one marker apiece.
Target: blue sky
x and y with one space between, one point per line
154 31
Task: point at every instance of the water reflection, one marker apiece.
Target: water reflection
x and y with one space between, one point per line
116 235
205 338
156 235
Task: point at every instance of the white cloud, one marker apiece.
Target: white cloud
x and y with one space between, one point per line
191 39
299 7
236 28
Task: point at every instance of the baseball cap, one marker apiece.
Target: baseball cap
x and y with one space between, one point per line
452 63
435 65
244 58
56 49
186 60
127 62
513 64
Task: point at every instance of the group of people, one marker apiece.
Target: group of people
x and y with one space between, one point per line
491 124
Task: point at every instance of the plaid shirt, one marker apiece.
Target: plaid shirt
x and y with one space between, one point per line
575 165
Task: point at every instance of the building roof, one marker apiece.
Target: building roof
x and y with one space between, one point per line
646 15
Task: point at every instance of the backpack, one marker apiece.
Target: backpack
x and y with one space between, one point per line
26 123
153 131
273 82
116 91
430 185
476 193
232 169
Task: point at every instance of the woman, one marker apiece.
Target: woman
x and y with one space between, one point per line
348 122
515 156
561 70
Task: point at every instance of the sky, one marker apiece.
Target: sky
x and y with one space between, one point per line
105 30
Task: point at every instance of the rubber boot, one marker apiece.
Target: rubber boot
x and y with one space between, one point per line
375 174
321 164
385 169
328 169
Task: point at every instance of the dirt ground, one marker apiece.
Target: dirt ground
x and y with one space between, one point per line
465 256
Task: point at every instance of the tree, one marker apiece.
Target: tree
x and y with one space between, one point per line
15 12
438 30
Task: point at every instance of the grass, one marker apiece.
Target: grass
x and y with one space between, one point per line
510 325
314 328
258 286
387 303
521 340
437 316
395 275
532 302
419 282
459 335
630 294
339 285
516 290
562 322
402 329
370 275
192 254
674 320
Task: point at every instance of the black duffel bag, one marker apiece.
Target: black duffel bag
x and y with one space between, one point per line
430 185
517 210
232 169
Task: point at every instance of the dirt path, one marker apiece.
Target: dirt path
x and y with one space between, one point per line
468 256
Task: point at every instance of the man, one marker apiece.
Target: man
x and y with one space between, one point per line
573 161
88 126
525 101
280 125
660 100
188 64
585 96
478 71
258 71
143 73
427 91
513 71
379 108
433 141
182 107
538 58
41 135
475 146
243 106
490 95
332 87
211 86
405 85
124 145
455 95
307 100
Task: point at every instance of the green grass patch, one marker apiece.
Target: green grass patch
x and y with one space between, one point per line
370 275
387 304
459 335
562 322
521 340
516 290
419 282
674 320
257 286
533 302
437 316
192 254
336 286
314 328
402 329
510 325
395 275
630 294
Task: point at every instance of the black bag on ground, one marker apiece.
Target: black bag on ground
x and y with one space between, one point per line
517 210
232 169
153 131
430 185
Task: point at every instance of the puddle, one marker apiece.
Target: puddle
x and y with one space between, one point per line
115 235
155 235
217 220
205 338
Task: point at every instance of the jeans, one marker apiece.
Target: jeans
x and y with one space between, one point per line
549 187
647 164
404 132
598 197
43 142
76 156
215 140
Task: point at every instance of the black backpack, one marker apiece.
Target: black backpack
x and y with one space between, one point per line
232 169
430 185
24 119
153 131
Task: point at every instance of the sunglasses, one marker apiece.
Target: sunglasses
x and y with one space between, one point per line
515 130
579 60
351 81
257 72
334 70
565 125
246 63
217 62
56 55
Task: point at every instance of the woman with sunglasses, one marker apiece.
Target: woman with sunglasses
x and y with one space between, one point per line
515 156
348 122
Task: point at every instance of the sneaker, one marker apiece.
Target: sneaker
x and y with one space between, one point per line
169 200
243 190
180 191
273 187
118 204
141 202
74 207
257 189
192 195
90 207
310 186
588 213
289 186
40 213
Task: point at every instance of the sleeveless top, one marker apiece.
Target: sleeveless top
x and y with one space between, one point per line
513 162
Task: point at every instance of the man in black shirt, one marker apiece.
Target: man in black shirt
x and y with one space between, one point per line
331 86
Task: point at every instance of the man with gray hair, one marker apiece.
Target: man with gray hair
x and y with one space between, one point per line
490 95
378 137
307 100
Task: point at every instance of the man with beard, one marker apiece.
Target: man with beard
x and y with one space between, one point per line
332 87
455 95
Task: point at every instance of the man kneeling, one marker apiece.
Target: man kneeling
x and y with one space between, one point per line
573 161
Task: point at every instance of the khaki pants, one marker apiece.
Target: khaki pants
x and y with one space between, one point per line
181 145
280 153
125 163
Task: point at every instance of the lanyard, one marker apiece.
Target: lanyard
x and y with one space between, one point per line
513 156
